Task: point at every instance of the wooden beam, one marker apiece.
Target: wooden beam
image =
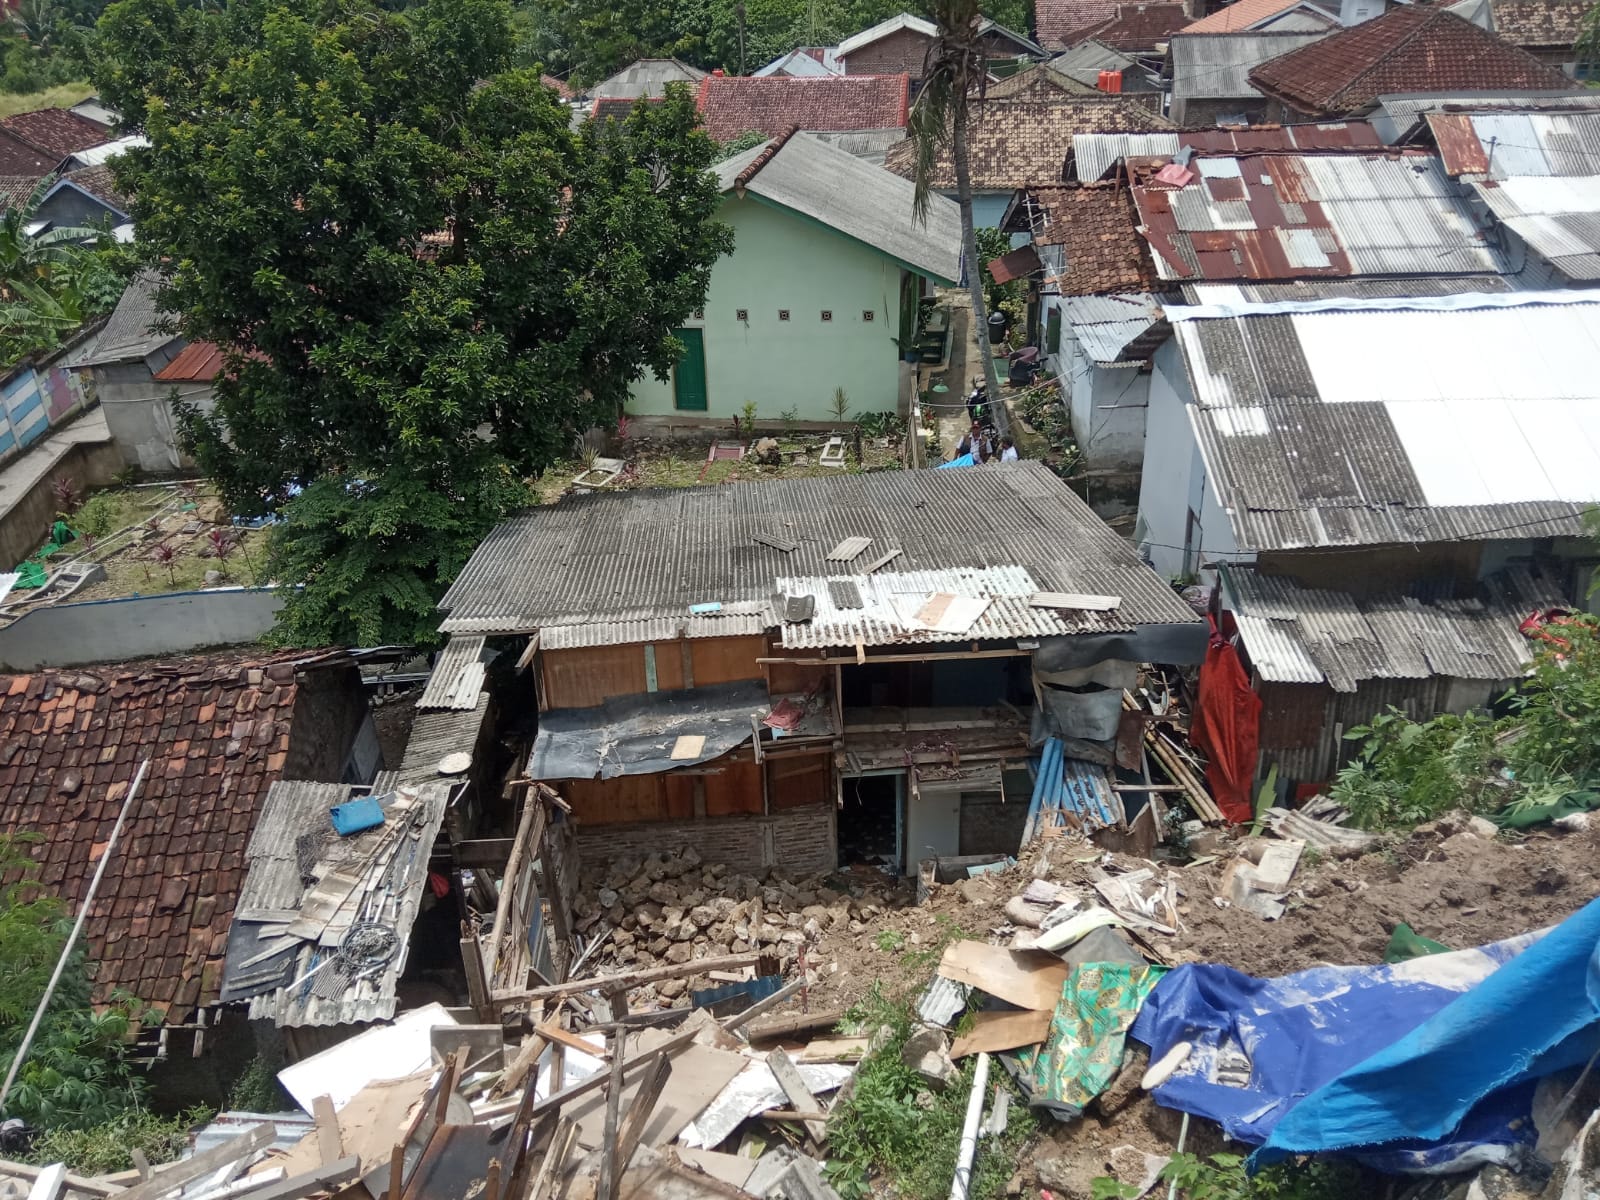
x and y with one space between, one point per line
330 1177
477 977
551 1031
330 1143
627 980
799 1095
75 1183
780 1027
482 852
639 1111
868 660
257 1137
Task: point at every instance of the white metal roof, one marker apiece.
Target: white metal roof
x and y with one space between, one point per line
106 151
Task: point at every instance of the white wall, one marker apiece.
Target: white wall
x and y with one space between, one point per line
1175 480
1108 406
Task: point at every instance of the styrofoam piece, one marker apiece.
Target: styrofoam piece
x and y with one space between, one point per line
382 1052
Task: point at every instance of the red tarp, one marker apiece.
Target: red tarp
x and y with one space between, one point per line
1227 727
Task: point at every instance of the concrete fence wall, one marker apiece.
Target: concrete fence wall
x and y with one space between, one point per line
72 635
26 524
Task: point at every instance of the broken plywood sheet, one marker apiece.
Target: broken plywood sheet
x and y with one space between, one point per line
995 1031
1027 978
699 1074
367 1124
732 1169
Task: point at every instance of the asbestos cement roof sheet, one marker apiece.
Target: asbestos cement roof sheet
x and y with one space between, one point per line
457 676
1286 216
1217 66
1557 216
1321 424
868 204
609 560
1295 634
1114 329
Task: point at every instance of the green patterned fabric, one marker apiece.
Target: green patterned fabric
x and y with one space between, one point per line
1083 1052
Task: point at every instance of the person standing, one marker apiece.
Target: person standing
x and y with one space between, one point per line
1008 450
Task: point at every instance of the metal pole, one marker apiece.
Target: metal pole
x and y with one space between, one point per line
72 938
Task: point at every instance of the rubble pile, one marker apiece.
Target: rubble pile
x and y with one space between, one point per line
673 908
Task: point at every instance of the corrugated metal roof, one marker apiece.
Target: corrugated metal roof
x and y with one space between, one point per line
291 808
1404 114
1217 66
658 629
1285 216
457 676
389 894
1303 635
1266 292
890 599
1504 145
1114 329
1094 154
1558 216
610 558
1329 428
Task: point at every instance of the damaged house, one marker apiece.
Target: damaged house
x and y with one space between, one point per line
1382 519
817 672
219 732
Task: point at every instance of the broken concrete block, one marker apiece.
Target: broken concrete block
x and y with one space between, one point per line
927 1052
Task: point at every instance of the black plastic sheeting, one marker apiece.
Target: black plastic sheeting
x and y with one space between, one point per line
634 735
1178 645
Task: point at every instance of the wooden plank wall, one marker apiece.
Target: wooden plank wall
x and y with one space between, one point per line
795 780
720 788
587 677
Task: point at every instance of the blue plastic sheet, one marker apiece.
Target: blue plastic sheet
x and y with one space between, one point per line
966 460
1264 1047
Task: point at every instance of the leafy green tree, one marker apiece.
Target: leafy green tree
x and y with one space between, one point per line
50 283
77 1074
431 283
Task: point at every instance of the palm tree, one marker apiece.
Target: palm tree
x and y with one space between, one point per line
954 76
41 278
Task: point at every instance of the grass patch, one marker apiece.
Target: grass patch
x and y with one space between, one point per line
105 1148
894 1135
63 95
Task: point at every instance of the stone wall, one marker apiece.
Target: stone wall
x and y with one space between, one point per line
799 840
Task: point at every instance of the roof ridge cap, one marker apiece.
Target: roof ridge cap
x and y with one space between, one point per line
743 178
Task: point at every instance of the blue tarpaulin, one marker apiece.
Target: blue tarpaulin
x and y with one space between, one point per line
966 460
1413 1065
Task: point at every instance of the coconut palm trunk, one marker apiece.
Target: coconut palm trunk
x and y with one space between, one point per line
953 78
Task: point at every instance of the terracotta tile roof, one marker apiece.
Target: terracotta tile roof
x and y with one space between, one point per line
1555 24
1137 28
615 108
1240 15
100 182
558 86
1018 143
17 157
1408 49
1060 23
55 131
769 104
1096 227
15 190
216 730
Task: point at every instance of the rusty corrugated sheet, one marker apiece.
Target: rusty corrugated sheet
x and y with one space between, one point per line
1459 147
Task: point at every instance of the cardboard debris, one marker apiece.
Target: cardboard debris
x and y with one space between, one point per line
994 1031
1027 978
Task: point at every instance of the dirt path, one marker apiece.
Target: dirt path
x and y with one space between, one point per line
957 375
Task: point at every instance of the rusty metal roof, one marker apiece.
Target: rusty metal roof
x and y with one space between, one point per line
1296 634
1505 145
1291 216
610 561
1094 154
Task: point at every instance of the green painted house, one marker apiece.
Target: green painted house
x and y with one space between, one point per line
827 268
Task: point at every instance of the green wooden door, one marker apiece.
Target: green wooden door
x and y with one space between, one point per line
689 380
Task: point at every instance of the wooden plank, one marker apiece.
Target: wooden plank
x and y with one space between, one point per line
330 1144
255 1138
882 560
848 549
779 1027
1077 601
995 1031
329 1177
639 1111
477 977
794 1087
48 1183
527 1055
551 1031
75 1183
629 980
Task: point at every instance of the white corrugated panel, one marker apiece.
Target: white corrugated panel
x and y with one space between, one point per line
1275 652
1512 144
1534 196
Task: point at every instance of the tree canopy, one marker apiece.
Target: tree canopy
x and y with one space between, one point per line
428 284
50 282
589 39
